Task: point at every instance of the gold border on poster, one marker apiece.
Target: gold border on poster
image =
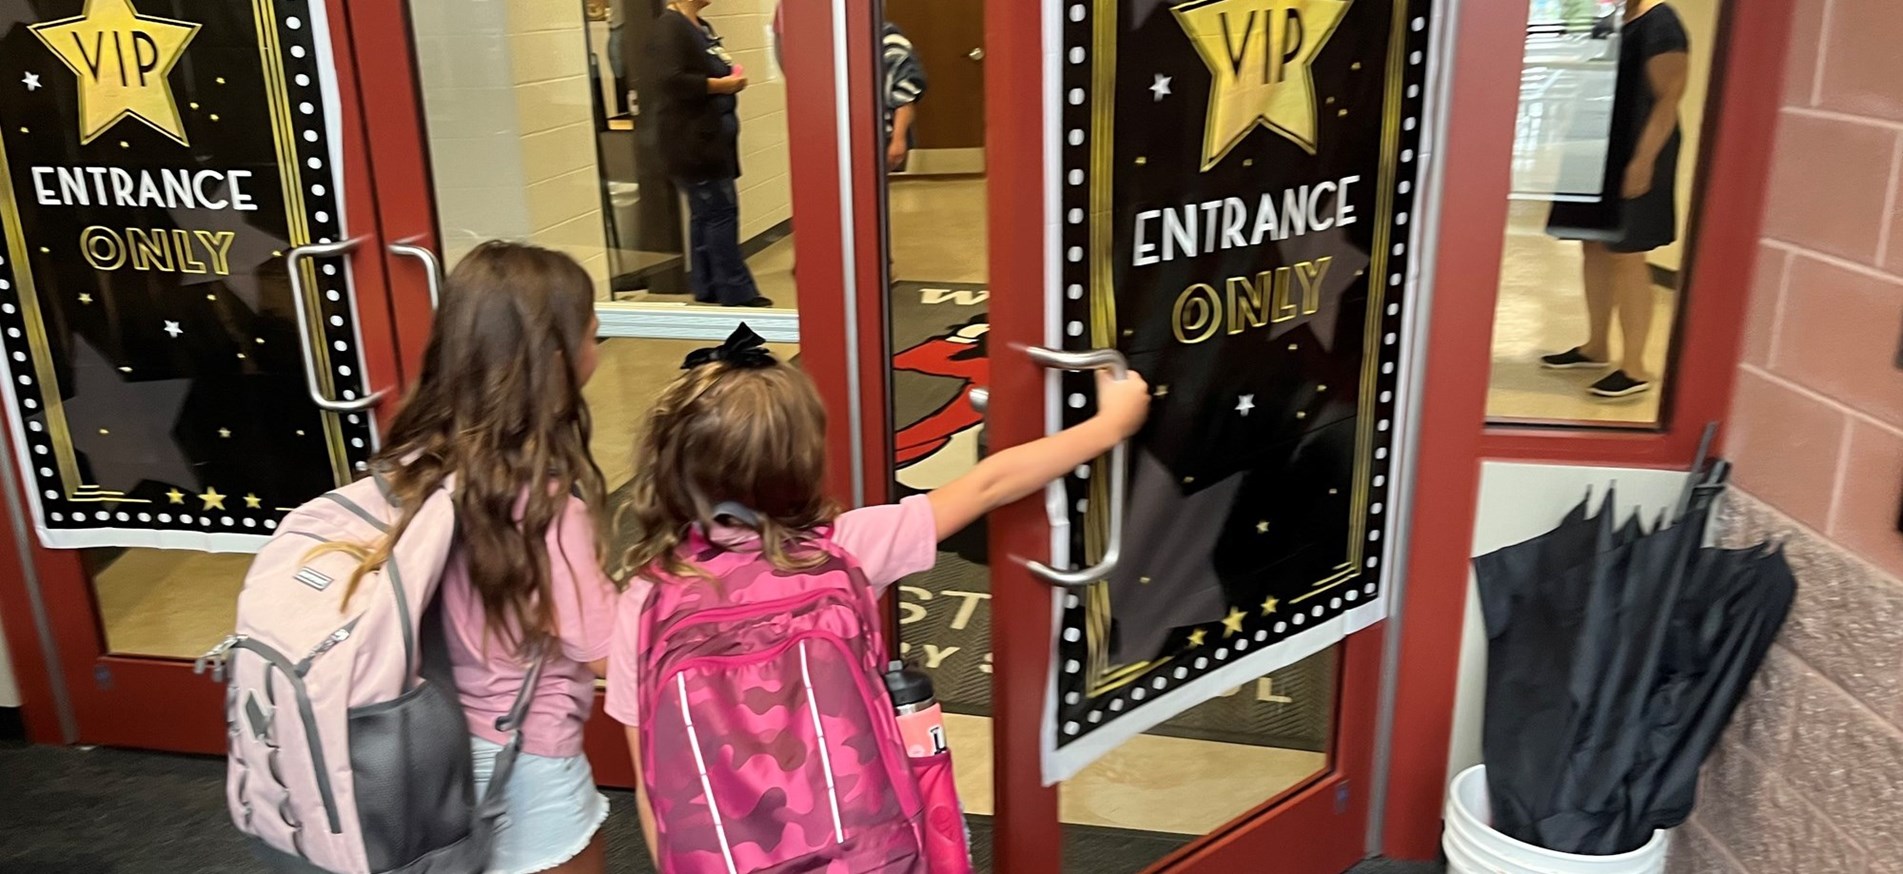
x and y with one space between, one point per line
298 229
1102 677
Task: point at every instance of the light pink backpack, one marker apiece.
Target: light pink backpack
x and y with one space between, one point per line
768 742
348 747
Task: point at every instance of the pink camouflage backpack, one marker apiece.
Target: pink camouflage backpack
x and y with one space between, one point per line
347 746
767 739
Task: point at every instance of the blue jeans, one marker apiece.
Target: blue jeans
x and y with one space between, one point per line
719 273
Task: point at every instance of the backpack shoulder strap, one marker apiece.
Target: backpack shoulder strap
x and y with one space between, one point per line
510 723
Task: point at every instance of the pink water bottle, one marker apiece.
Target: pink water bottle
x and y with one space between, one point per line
921 721
947 844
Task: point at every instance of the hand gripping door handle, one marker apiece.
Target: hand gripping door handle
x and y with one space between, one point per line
294 264
432 269
1112 361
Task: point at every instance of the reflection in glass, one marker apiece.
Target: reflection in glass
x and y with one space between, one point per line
1612 100
542 128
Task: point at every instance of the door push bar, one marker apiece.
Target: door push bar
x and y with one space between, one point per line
432 269
1095 359
293 263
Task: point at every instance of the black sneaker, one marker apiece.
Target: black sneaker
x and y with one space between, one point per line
1618 385
1571 359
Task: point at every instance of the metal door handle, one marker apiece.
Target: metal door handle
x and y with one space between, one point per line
293 264
1112 361
432 269
980 399
977 54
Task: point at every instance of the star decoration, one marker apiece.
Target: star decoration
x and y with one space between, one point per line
1168 535
175 496
31 81
129 81
213 500
225 433
1232 624
141 414
85 298
1162 87
1262 527
1196 638
1245 403
173 329
1260 55
1268 606
253 502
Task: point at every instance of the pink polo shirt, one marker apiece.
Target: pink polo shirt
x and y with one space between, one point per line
890 542
488 672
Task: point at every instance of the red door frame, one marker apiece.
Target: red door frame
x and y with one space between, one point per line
159 703
1316 828
1482 102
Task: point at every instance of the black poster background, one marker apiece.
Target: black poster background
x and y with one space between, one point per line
1258 487
156 407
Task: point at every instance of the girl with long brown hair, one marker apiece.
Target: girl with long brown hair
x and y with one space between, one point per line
498 417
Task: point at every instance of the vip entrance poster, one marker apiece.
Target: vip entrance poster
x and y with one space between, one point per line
158 158
1232 212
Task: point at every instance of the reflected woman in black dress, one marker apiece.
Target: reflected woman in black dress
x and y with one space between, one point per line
1640 211
692 84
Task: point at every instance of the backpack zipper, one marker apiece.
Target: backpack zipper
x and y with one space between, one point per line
217 658
326 645
778 606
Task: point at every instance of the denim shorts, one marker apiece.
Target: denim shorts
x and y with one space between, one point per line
552 812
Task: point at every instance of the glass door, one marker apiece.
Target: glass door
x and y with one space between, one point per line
1183 637
199 326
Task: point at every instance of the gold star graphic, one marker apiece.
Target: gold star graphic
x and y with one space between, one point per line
224 432
85 298
1260 55
1262 527
253 502
175 496
213 500
1232 624
1268 606
1196 638
122 60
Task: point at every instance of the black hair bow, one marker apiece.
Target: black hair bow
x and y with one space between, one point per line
742 348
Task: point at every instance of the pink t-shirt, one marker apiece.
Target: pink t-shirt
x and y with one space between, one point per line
890 541
488 672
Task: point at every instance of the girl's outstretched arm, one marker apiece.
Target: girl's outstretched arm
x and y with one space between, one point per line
999 479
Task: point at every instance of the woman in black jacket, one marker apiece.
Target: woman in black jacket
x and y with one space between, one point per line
691 83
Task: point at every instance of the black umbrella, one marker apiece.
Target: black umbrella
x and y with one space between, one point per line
1617 655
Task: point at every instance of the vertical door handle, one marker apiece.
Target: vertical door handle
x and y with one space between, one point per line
1112 361
293 264
432 269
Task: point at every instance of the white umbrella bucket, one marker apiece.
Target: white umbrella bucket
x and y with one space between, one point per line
1473 847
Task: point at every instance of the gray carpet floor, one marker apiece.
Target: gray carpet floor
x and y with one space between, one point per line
100 811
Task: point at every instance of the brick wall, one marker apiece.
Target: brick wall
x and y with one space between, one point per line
1810 778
